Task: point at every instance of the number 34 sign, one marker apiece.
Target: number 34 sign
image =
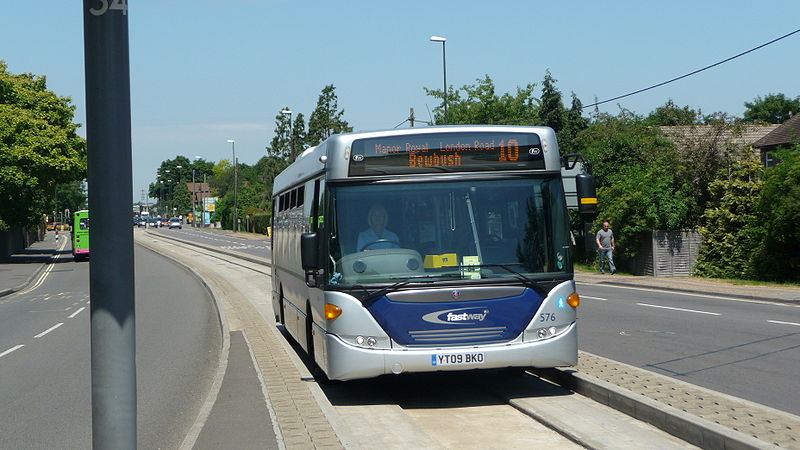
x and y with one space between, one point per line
106 5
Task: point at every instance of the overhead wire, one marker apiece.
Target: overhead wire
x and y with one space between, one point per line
694 72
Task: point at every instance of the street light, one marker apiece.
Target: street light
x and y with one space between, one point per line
194 193
235 185
444 69
288 112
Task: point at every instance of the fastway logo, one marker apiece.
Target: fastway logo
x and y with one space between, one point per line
464 316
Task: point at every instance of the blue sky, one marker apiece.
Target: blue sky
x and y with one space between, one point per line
206 71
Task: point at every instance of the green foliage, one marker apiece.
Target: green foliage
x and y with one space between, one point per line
615 142
637 185
778 258
480 105
773 108
574 123
39 147
281 144
299 134
671 115
326 119
551 113
71 196
731 231
181 200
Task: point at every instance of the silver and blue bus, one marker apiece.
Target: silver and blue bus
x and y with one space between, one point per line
426 249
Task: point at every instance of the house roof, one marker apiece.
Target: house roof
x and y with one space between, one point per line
787 133
745 135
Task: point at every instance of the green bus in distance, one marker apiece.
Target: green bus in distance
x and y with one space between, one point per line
80 235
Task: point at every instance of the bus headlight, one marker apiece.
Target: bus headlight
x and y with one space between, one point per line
370 341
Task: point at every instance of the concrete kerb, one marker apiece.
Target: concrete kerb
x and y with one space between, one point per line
205 410
688 427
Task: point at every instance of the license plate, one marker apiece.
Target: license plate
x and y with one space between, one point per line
455 359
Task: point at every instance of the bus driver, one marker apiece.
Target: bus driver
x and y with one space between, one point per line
377 236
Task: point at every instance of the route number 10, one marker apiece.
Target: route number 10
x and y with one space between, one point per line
510 152
120 5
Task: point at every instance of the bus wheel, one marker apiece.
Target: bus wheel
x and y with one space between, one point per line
316 370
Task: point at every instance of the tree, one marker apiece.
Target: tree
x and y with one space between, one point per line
773 108
480 104
730 230
638 189
299 135
71 196
326 118
670 114
551 113
574 123
280 146
778 214
181 200
39 147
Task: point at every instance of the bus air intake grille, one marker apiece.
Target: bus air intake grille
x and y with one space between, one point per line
457 335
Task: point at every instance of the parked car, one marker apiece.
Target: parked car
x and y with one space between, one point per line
175 222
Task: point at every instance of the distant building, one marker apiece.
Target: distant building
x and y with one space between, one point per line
783 136
721 138
198 191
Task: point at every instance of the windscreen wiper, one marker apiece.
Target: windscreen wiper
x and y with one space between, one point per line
374 295
528 282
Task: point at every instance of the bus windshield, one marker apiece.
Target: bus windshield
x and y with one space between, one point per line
435 231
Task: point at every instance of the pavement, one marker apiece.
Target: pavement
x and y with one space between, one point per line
697 415
21 269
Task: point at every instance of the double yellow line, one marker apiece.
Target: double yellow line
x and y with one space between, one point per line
47 270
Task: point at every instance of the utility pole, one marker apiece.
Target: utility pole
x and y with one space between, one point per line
111 278
235 226
411 117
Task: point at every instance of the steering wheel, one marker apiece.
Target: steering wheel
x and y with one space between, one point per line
379 241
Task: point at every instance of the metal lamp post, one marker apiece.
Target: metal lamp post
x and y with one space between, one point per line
444 70
235 185
288 112
178 176
194 193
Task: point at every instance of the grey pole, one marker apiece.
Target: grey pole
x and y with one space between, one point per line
235 226
194 201
444 70
111 278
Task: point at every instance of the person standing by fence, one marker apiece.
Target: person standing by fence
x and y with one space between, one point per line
605 247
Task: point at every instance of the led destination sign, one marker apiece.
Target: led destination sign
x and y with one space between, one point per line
446 152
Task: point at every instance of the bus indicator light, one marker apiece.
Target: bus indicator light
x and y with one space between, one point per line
574 300
332 311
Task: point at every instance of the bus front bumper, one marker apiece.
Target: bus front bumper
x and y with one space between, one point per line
348 362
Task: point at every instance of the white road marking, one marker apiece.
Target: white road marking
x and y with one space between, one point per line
690 294
680 309
12 349
48 330
595 298
76 312
784 323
